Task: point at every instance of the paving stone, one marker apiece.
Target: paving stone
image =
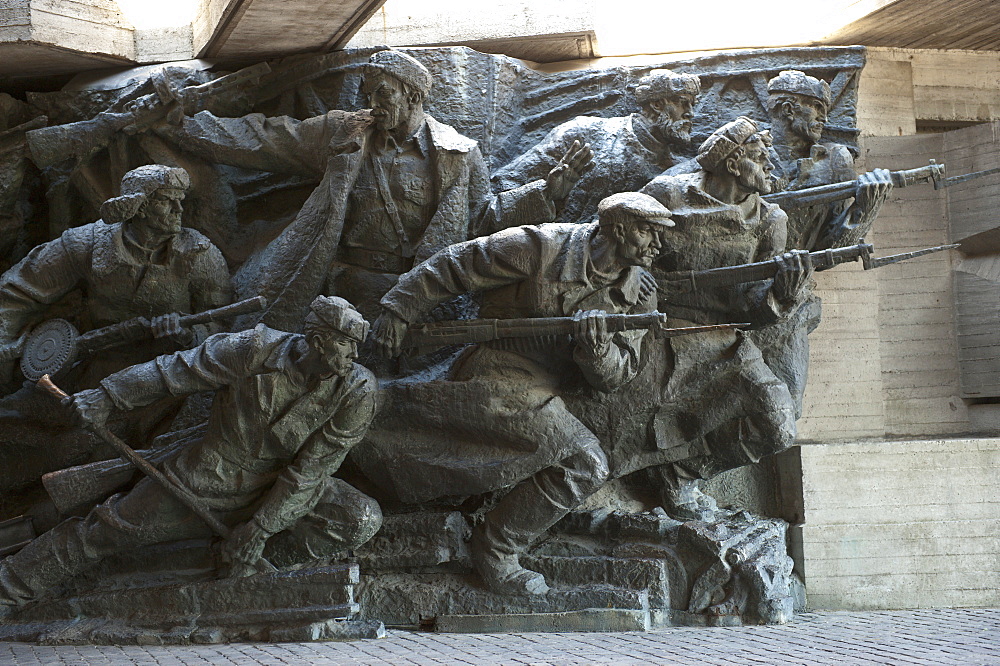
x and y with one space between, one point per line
932 637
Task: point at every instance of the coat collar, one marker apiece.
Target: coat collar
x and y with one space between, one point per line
576 265
110 253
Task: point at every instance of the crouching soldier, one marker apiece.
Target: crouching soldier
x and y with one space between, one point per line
287 410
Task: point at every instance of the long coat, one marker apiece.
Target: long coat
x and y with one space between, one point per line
500 417
293 268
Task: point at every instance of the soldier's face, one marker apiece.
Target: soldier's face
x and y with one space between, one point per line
335 352
162 210
753 169
672 119
639 242
391 106
809 118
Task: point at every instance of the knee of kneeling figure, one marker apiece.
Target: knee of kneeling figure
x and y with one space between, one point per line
369 521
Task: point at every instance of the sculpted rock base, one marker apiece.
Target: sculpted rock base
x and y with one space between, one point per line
190 606
607 572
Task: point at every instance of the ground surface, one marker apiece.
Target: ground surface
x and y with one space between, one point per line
967 636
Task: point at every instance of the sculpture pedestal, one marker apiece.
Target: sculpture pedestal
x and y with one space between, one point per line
607 572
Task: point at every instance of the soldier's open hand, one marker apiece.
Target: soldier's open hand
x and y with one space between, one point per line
577 161
795 270
388 333
592 331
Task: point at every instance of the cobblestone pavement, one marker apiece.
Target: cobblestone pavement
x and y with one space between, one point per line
967 636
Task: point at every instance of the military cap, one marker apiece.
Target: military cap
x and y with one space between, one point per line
338 314
636 205
799 83
661 83
403 67
725 140
137 185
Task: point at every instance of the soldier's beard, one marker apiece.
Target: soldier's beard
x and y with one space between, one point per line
674 133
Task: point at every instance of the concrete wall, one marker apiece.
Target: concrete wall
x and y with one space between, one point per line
903 523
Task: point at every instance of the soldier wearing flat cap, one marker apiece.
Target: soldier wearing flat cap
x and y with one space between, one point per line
288 407
507 425
138 261
798 105
628 151
395 186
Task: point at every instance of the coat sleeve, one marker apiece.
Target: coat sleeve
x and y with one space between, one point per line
536 163
209 288
222 359
48 273
280 144
610 369
499 259
516 206
299 486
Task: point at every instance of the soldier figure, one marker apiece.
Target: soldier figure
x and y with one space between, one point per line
798 105
396 186
502 399
287 409
722 221
137 262
628 151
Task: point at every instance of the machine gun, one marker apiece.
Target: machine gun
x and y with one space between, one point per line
423 338
55 345
764 270
81 140
811 196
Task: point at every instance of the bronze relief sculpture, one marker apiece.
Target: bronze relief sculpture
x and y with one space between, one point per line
546 458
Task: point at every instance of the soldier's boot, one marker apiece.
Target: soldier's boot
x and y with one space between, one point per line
525 513
681 495
47 562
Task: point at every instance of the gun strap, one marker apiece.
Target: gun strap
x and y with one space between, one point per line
390 205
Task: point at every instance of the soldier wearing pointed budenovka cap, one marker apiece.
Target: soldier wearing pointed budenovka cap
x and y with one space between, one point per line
506 424
288 408
798 105
629 151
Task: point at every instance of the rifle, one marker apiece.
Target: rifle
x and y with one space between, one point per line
81 140
14 138
430 336
56 345
811 196
763 270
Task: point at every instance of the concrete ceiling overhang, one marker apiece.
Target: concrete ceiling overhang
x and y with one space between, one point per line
45 38
922 24
255 29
